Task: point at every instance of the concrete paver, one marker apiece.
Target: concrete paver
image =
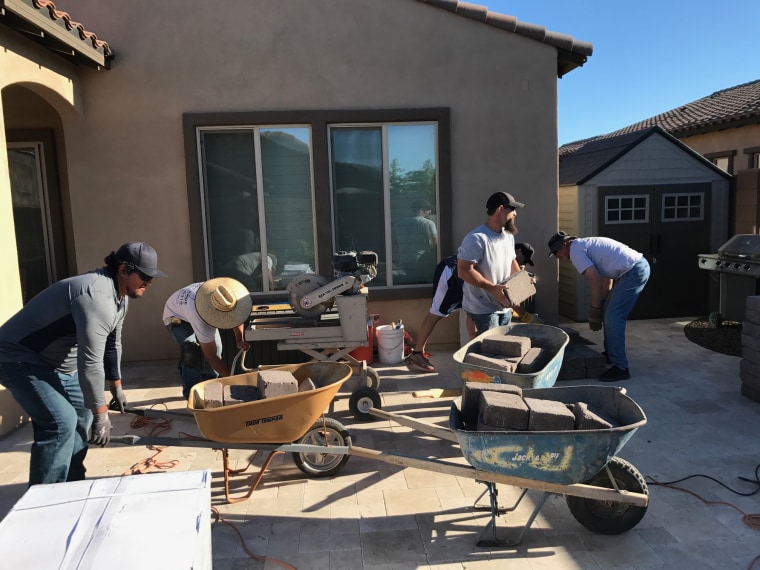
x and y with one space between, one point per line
373 515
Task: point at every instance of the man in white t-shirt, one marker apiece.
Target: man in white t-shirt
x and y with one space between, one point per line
617 275
485 259
194 314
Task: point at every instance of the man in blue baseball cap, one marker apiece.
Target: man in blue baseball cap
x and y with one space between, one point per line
57 352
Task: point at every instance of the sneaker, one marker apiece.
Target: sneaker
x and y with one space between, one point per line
614 373
420 360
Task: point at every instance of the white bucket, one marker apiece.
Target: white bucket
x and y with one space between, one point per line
390 344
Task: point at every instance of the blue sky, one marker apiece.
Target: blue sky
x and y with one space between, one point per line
650 56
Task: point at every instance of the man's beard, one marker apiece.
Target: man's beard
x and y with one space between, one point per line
511 227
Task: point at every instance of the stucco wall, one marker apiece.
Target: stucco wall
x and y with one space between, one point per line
22 63
125 153
734 139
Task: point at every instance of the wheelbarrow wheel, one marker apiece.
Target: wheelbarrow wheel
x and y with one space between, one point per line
608 517
373 378
362 401
328 433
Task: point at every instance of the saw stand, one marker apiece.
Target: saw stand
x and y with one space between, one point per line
331 336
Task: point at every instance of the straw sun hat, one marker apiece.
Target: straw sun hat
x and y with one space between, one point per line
223 302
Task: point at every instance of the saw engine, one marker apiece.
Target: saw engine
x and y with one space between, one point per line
310 294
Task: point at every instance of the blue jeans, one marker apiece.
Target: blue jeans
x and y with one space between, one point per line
60 420
192 367
623 296
486 321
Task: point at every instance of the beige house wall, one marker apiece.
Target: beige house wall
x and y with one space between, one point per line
34 72
126 158
736 140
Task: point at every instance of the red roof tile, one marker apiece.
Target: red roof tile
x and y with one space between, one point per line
572 53
732 107
70 24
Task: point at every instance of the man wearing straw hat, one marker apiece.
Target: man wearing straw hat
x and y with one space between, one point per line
194 314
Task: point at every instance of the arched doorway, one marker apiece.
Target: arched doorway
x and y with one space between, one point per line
38 213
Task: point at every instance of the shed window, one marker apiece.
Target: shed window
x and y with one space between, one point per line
626 209
682 207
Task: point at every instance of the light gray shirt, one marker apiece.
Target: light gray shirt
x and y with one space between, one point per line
72 326
492 254
611 258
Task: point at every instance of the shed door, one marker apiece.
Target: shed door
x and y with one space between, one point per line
670 225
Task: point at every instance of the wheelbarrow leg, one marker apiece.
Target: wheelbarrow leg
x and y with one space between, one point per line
488 536
252 487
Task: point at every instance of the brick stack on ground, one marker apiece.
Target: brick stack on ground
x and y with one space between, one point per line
503 407
580 361
749 367
508 353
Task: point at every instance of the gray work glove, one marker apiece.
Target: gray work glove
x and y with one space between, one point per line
101 429
119 401
595 319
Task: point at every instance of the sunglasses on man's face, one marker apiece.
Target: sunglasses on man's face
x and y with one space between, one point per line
141 275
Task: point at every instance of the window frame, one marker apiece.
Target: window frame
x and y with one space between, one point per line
727 154
633 208
676 219
753 157
318 121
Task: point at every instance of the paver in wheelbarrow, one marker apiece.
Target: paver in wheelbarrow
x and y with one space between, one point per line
292 423
565 457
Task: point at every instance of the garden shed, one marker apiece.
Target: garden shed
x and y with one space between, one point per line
652 192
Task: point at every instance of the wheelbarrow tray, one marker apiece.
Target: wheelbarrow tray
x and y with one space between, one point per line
281 419
552 339
563 457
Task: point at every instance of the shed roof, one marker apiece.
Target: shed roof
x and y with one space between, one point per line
597 154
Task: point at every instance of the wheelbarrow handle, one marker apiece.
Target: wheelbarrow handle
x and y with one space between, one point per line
160 414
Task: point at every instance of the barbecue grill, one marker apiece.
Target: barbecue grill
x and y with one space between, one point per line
738 266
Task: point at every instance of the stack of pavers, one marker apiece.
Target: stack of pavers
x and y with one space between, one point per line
579 360
749 367
508 353
270 384
502 407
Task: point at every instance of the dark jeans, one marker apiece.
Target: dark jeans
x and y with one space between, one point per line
619 304
192 367
60 420
490 320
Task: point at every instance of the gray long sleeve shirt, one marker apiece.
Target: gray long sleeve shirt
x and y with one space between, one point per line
75 324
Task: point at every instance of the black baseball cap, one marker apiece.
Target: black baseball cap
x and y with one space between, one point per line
527 252
556 241
142 256
502 199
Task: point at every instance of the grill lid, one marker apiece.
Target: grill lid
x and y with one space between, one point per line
743 246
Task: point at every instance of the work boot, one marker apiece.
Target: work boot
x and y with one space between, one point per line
420 360
614 373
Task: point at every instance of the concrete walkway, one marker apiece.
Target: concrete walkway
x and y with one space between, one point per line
373 515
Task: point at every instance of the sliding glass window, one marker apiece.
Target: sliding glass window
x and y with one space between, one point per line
385 195
258 204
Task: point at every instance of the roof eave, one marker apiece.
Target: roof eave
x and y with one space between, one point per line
567 61
38 24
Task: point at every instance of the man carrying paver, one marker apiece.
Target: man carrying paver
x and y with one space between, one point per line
447 298
486 258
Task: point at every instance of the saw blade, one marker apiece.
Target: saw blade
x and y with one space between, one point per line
300 286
